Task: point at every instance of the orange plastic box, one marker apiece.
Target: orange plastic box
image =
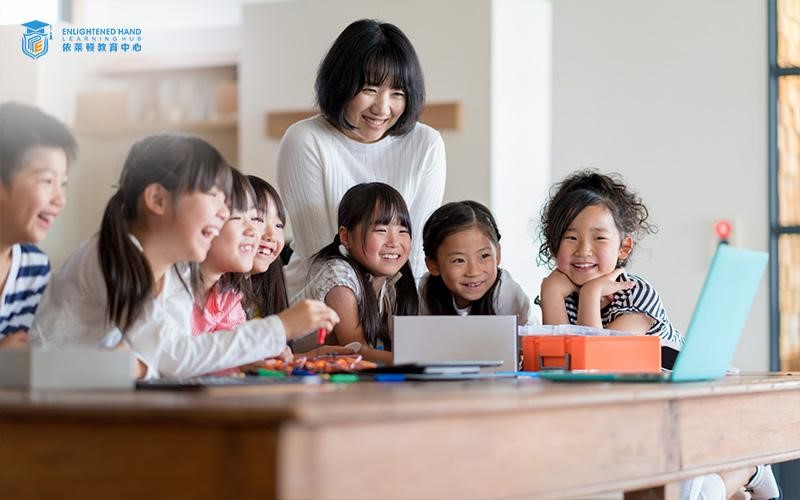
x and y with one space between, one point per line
619 353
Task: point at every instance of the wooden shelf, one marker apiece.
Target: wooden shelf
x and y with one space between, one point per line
137 65
228 123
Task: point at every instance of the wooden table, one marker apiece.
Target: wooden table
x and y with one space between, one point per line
502 438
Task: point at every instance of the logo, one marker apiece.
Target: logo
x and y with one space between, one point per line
34 41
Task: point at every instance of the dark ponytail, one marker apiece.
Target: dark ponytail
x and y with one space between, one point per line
128 277
180 164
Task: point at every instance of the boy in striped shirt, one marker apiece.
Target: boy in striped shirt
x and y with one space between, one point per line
34 153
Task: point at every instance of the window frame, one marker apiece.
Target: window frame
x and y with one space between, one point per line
776 230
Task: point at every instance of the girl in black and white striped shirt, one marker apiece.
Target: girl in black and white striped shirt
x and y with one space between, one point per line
588 229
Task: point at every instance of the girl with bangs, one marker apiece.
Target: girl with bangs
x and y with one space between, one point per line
131 283
370 92
223 273
462 251
267 284
364 273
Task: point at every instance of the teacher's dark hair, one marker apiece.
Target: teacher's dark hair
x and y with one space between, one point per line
369 52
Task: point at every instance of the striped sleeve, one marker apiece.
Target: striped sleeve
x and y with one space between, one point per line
27 279
644 299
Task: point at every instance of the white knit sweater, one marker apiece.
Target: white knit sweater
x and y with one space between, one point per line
317 164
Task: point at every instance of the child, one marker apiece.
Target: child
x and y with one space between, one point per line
588 228
267 282
223 272
128 283
461 242
364 273
35 150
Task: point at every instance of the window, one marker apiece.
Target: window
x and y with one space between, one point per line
784 172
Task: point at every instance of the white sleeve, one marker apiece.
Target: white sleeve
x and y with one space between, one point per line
429 197
512 299
301 184
170 351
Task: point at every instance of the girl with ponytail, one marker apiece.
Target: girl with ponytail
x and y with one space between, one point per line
364 274
132 284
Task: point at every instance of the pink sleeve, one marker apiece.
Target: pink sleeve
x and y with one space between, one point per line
223 311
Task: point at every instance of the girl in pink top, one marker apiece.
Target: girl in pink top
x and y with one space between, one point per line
224 271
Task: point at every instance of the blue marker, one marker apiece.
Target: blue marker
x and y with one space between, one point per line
519 374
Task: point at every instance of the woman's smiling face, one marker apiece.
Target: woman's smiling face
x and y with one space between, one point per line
373 111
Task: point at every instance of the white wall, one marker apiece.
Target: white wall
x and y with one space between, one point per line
520 130
672 95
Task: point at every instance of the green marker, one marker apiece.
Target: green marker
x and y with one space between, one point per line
344 378
263 372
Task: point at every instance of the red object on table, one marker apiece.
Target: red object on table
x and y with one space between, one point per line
321 334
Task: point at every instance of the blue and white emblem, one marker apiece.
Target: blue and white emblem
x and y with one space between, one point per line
35 40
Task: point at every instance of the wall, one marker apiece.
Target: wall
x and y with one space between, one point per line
520 131
673 95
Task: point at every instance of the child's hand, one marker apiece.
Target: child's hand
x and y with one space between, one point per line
331 349
606 285
558 284
16 340
306 316
286 355
138 368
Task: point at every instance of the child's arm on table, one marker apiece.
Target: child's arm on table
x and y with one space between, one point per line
343 301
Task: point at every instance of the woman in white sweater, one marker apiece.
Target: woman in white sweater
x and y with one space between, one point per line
370 92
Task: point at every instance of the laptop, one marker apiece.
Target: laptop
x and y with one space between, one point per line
480 340
716 325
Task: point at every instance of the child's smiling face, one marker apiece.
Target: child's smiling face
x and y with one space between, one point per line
197 220
35 196
272 239
234 249
467 262
591 245
383 251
